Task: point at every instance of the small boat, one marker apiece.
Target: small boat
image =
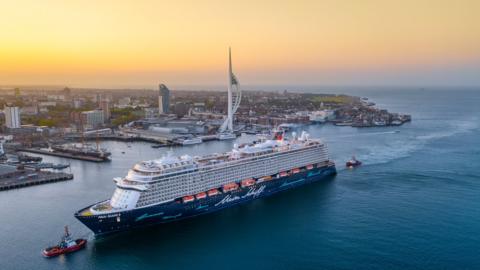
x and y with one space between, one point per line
283 174
66 245
226 136
265 178
201 195
230 187
191 141
247 183
352 163
213 192
187 199
309 167
296 170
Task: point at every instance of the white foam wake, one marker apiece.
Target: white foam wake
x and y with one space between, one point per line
392 150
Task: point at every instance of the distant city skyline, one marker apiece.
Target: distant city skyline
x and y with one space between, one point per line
138 44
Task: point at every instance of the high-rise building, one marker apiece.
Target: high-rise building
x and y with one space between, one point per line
105 106
163 99
12 117
92 119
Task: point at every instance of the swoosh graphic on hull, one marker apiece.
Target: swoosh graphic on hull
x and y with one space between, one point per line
172 217
144 216
292 183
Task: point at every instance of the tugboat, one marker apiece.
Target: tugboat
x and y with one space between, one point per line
66 245
352 163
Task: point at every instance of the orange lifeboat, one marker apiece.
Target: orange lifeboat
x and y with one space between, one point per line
247 182
267 178
296 170
213 192
230 187
201 195
187 199
309 167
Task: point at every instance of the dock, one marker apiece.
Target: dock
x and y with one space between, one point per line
60 154
12 178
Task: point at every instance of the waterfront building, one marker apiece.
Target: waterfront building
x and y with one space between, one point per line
150 112
199 107
92 119
163 99
12 117
181 109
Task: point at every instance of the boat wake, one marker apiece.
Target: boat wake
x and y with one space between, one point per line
402 148
369 134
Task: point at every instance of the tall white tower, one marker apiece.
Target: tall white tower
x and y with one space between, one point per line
234 96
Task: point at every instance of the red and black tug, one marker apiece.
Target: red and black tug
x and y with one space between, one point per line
352 163
66 245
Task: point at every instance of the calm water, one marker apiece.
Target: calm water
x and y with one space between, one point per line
414 205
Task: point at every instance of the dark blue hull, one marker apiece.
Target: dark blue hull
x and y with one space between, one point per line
176 210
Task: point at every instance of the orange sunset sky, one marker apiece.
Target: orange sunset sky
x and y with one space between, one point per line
141 43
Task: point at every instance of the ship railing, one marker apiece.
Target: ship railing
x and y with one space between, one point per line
101 207
247 158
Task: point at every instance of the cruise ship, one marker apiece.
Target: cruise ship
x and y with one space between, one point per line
175 188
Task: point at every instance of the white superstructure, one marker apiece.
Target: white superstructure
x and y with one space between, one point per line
169 178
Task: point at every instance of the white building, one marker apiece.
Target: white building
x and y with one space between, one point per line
12 117
151 112
92 119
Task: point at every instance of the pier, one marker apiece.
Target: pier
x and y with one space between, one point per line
12 178
65 155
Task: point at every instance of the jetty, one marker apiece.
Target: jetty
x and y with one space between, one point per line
63 154
12 178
